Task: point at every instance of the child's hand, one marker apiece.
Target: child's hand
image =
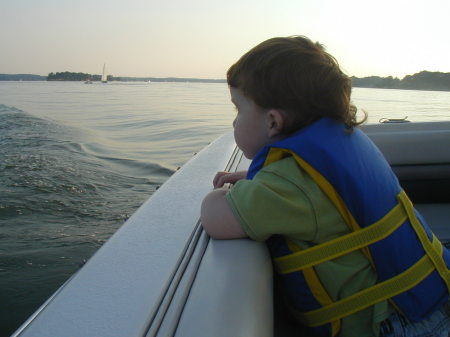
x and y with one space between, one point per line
222 178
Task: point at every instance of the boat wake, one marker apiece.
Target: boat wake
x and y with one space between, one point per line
59 202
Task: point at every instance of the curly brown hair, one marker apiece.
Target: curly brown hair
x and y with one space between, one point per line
297 76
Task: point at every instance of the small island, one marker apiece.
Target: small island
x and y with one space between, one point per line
424 80
70 76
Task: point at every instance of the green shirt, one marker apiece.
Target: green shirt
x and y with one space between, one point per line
284 199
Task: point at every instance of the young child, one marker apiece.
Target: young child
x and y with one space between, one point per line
353 256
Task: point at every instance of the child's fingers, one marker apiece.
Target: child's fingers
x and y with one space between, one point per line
218 180
223 178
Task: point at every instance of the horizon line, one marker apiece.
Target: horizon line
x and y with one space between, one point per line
202 78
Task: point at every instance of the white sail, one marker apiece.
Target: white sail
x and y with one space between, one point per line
104 77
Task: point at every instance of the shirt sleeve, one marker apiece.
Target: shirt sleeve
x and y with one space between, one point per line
275 203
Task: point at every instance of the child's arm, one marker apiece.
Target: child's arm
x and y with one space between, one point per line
217 218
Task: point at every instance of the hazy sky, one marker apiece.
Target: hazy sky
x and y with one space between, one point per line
202 38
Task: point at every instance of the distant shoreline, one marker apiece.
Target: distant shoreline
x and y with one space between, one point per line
31 77
424 80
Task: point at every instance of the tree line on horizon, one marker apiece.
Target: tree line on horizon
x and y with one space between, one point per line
424 80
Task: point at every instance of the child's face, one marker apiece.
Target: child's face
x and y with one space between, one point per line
250 124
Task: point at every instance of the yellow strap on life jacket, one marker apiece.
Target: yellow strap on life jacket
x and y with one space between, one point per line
433 254
342 245
389 288
370 296
317 289
276 154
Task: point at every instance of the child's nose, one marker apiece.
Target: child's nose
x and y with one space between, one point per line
234 122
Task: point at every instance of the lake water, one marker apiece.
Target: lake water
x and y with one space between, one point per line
77 160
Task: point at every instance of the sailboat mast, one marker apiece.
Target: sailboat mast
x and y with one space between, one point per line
104 77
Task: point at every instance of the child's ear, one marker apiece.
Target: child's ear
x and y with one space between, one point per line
275 122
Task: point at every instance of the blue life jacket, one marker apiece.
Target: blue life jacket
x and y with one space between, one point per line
411 264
